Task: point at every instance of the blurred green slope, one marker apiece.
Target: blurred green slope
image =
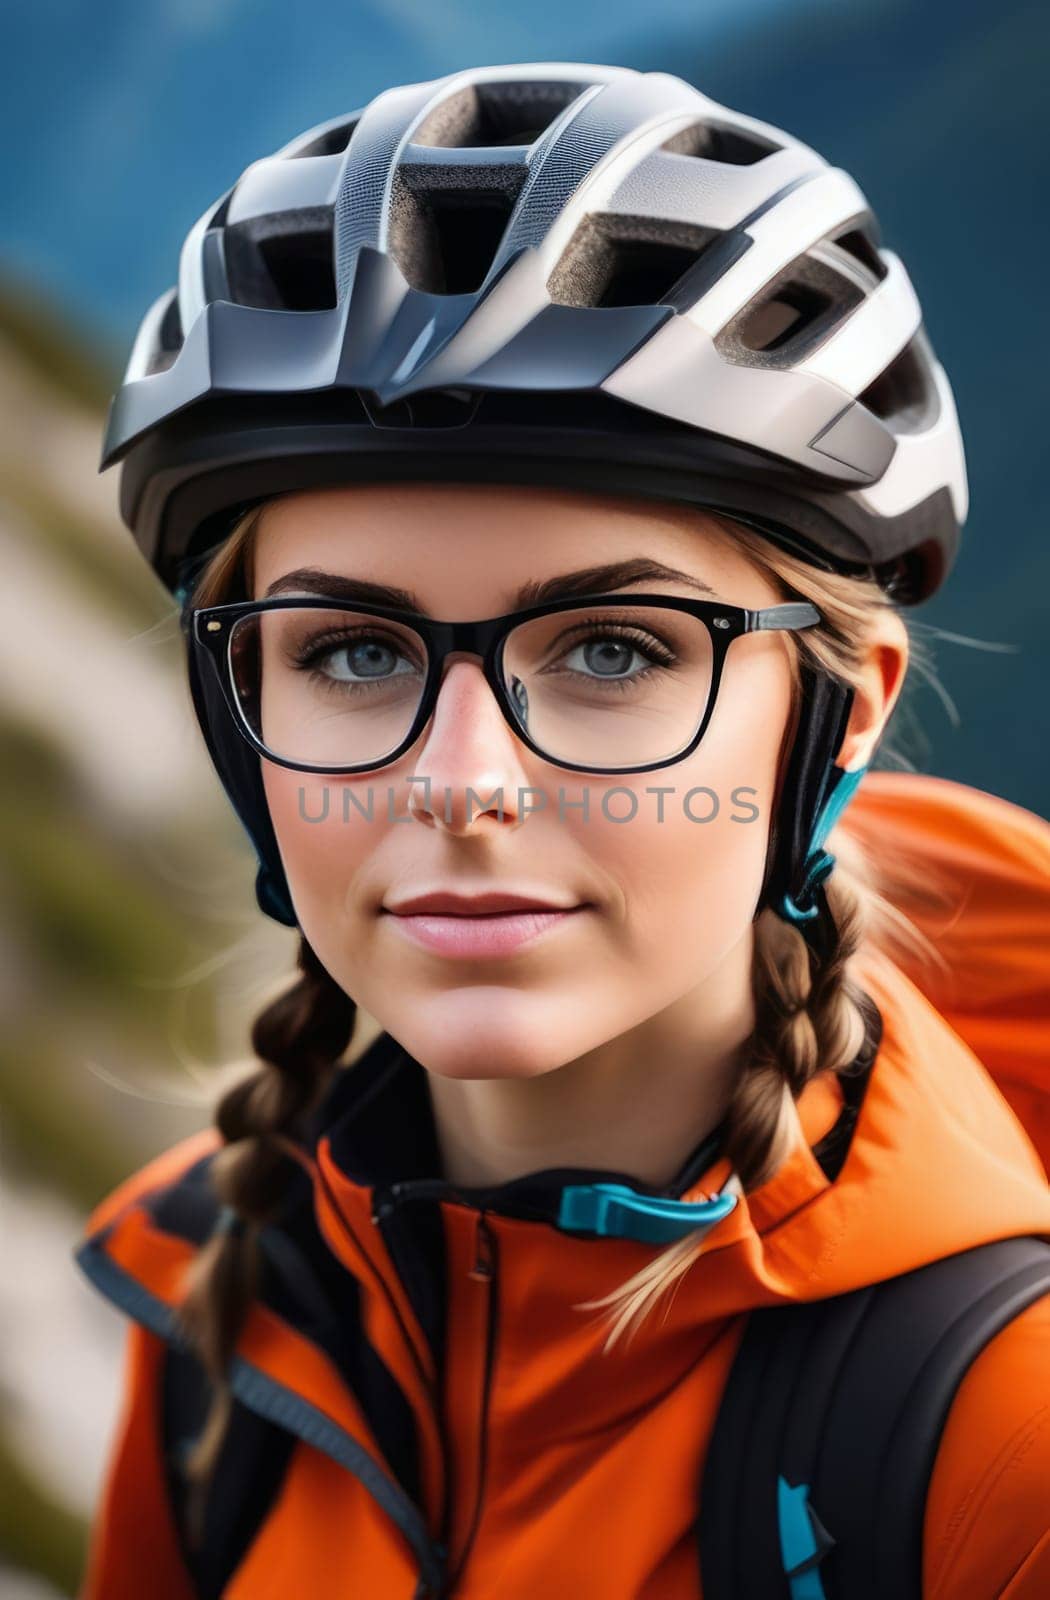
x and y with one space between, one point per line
114 917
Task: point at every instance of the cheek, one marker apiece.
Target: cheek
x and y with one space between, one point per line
691 879
320 850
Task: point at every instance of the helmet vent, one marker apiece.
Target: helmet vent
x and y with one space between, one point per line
903 395
862 245
169 339
430 408
330 143
775 322
717 141
282 262
444 235
797 312
618 260
492 114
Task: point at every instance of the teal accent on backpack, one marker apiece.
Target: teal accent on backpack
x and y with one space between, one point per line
798 1546
617 1212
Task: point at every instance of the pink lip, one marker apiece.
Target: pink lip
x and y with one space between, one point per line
449 902
493 934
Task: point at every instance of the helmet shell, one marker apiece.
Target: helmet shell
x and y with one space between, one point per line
581 275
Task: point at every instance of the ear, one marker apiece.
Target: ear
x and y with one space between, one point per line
881 679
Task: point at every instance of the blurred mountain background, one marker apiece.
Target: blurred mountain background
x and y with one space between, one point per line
133 955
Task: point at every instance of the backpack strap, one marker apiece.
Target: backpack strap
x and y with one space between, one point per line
251 1468
816 1478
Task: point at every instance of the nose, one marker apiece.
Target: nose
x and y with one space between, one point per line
470 757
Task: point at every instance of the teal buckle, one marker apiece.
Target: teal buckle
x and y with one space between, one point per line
818 868
617 1212
801 1550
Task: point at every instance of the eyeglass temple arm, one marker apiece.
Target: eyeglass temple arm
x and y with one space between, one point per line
795 614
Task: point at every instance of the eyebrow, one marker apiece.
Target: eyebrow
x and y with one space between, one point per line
565 586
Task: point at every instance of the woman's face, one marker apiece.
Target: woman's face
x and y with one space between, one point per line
655 904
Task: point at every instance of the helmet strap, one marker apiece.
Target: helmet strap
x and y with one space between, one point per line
809 801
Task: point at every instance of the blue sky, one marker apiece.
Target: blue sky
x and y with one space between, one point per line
129 117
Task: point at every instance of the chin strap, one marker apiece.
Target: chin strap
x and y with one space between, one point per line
240 770
808 908
811 799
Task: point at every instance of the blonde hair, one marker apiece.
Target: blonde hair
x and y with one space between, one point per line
806 1023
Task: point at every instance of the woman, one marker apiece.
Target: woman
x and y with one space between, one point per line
541 458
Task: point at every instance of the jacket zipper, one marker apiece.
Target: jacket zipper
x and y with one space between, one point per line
384 1201
483 1271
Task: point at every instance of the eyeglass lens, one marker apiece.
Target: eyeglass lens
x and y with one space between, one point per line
598 686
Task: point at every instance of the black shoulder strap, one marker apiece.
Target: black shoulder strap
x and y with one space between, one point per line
251 1468
816 1478
302 1283
255 1452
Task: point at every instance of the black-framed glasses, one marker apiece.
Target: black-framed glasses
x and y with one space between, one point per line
600 683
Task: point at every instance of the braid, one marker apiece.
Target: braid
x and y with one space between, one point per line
298 1039
807 1019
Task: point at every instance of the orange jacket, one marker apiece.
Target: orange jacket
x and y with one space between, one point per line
473 1386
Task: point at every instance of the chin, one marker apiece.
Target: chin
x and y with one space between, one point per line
489 1032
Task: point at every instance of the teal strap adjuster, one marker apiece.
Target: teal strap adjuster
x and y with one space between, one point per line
804 1542
819 862
617 1212
818 867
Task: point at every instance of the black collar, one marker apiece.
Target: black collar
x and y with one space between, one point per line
379 1120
